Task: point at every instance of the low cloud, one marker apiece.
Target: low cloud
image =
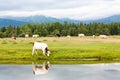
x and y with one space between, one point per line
74 9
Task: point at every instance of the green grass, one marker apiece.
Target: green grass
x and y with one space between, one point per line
74 48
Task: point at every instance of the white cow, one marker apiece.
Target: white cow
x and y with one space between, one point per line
40 46
35 36
41 69
81 35
93 36
26 35
103 36
68 36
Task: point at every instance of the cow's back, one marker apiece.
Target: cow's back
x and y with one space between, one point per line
39 45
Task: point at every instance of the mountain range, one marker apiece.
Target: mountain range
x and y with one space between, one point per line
17 21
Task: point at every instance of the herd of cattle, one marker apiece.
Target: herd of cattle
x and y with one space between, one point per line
58 35
44 47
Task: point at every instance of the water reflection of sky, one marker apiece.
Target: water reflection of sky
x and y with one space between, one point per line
62 72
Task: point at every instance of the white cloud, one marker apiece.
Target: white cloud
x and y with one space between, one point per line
74 9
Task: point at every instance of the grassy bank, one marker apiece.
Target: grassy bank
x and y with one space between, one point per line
73 48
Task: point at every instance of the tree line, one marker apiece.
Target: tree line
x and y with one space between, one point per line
64 29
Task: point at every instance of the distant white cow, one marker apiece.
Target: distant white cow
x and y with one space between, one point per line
93 36
35 36
68 36
41 69
26 35
103 36
81 35
40 46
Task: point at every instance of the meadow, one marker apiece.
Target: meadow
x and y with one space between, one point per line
63 48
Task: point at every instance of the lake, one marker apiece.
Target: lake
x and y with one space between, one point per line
47 71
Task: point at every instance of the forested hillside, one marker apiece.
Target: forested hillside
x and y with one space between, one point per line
50 29
18 21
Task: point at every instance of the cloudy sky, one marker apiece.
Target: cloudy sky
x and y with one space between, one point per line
74 9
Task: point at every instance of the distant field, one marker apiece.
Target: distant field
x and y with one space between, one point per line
73 48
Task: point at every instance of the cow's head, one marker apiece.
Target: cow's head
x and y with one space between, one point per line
48 53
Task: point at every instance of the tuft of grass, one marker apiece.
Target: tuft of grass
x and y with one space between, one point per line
14 42
4 42
45 40
54 40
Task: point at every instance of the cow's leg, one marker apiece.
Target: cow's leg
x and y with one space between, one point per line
33 51
33 66
44 65
43 50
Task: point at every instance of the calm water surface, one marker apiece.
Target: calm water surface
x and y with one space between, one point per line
47 71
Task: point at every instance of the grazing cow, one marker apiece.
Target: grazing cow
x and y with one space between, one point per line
58 35
103 36
81 35
35 36
40 46
13 37
41 69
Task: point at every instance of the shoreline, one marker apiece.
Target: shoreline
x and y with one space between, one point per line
59 61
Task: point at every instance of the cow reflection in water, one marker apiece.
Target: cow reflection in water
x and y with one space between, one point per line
41 69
